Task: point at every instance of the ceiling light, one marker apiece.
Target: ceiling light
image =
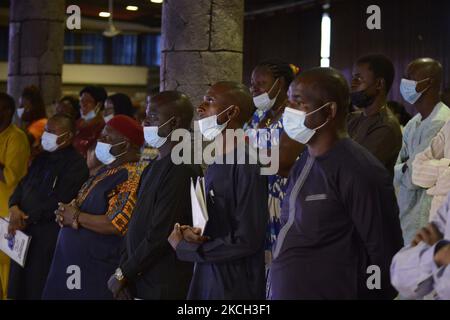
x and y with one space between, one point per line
132 8
156 1
104 14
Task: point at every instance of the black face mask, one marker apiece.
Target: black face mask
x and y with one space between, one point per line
361 99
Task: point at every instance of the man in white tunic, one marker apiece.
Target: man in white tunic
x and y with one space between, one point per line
420 88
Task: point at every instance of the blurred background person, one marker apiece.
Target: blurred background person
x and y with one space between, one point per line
70 106
118 103
33 117
91 123
445 96
399 112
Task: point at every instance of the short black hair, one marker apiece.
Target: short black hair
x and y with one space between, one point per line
75 103
330 85
279 69
67 120
122 104
33 94
8 102
381 66
182 106
239 94
98 93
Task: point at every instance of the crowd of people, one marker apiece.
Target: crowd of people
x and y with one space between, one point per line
361 185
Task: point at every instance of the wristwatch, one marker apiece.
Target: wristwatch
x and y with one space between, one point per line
118 274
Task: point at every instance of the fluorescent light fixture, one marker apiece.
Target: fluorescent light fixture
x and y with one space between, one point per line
104 14
132 8
325 40
156 1
325 62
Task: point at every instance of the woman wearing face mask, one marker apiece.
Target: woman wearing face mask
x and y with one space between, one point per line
118 103
33 117
55 176
94 223
91 123
269 85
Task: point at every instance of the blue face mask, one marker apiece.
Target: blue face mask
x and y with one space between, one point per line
294 124
408 90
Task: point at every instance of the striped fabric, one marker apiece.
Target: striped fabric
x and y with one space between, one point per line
430 168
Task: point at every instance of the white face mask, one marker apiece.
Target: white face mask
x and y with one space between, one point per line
408 90
103 152
107 118
294 124
48 141
151 135
20 112
210 128
89 116
263 101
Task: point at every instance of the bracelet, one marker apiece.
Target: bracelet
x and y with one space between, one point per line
75 223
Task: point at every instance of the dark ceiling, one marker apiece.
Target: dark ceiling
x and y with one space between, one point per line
149 13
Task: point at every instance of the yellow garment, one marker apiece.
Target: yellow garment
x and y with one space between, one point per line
14 155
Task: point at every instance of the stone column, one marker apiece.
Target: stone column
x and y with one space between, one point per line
202 43
36 44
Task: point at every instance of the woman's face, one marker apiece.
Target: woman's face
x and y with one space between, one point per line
109 108
263 81
87 103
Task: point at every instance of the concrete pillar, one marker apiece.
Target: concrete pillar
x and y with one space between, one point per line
36 42
202 43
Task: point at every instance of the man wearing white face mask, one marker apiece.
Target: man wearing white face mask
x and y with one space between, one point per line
148 267
229 256
420 88
339 215
54 176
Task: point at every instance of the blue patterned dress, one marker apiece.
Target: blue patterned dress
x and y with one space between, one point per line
277 184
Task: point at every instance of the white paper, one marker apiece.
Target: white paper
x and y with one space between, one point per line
198 203
17 248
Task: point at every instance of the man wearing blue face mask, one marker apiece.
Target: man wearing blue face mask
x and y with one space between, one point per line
54 176
339 215
420 87
148 268
374 126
